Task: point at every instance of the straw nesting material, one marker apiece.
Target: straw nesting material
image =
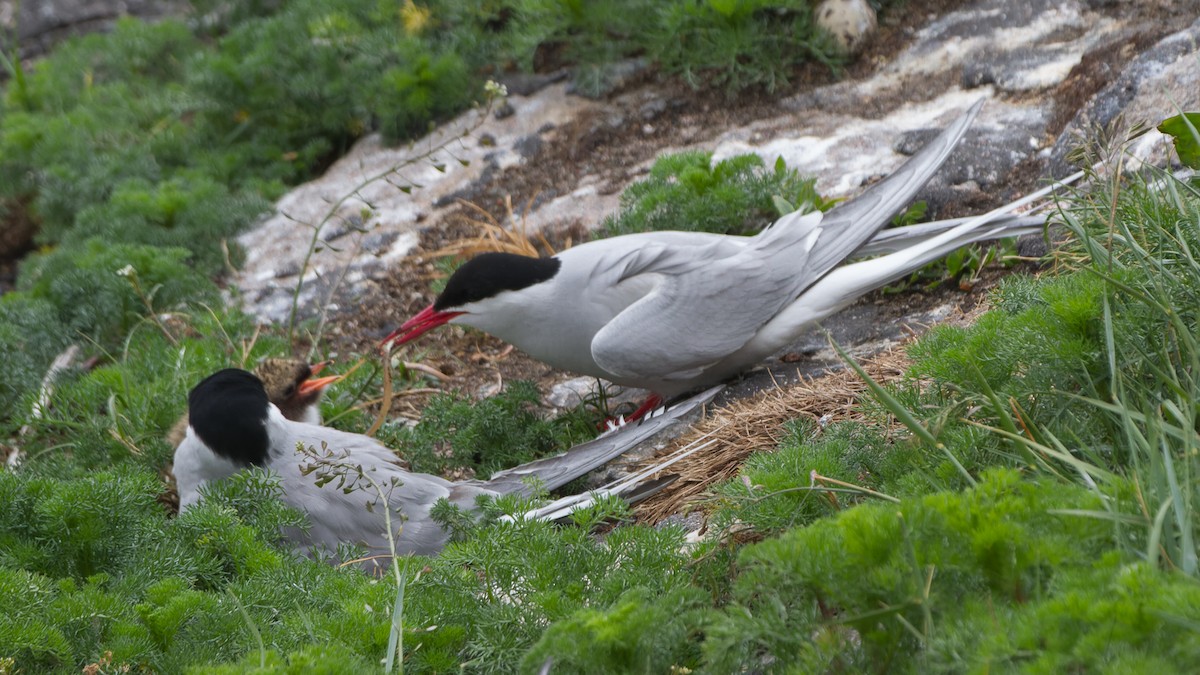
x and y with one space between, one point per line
756 424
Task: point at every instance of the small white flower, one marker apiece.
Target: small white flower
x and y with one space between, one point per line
126 271
495 90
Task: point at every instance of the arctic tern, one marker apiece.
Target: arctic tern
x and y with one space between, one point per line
234 426
291 384
673 311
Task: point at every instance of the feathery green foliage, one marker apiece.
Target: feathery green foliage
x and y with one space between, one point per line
991 577
780 490
97 293
639 633
1093 375
687 191
1027 353
31 334
178 134
101 290
511 580
1071 407
458 434
105 146
737 44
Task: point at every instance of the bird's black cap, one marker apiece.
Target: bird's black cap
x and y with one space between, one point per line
228 411
490 274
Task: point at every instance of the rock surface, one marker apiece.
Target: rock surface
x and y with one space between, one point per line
1154 84
37 25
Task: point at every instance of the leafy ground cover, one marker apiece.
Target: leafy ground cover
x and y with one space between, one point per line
688 191
1039 516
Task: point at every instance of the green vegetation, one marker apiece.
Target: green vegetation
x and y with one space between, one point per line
179 131
737 44
688 192
998 576
458 434
30 337
1050 529
1039 516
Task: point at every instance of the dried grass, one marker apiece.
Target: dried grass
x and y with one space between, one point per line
494 237
755 424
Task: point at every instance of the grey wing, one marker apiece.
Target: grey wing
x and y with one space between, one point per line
723 244
352 511
554 472
357 517
700 309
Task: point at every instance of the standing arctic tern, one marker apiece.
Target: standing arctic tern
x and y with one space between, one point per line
233 426
673 311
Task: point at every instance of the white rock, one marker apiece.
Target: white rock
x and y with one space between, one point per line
572 392
850 22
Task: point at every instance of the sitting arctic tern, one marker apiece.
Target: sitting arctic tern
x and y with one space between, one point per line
674 311
233 426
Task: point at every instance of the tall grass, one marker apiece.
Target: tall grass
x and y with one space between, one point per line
1141 236
1092 377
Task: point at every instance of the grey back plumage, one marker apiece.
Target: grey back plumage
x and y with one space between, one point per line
713 295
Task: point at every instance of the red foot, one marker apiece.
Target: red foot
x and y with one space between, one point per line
652 401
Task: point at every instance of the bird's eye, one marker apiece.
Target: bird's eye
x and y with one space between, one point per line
290 391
